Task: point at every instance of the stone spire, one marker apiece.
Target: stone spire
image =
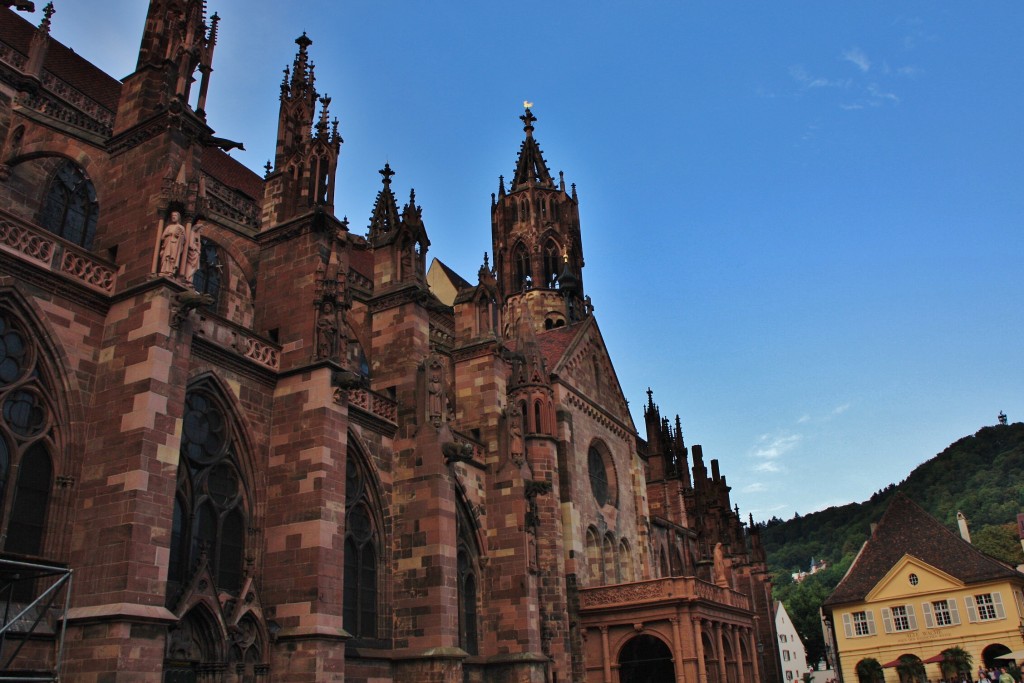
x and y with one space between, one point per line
531 168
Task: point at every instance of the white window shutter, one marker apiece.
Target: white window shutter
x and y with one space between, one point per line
871 622
911 619
972 610
848 625
887 619
954 613
926 610
997 602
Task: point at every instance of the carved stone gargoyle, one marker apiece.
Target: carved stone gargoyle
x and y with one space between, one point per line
186 302
457 452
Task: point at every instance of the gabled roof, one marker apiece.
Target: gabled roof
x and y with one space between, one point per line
906 529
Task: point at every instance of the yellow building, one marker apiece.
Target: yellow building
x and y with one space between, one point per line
916 588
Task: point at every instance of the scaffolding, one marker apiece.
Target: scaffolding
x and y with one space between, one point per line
34 600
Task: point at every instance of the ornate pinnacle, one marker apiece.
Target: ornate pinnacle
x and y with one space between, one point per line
48 12
214 21
650 397
387 173
528 118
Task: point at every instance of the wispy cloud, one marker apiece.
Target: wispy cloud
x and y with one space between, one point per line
767 466
878 95
839 410
771 447
803 419
757 487
799 74
857 57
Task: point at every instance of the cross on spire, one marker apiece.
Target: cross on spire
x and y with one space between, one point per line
387 173
528 118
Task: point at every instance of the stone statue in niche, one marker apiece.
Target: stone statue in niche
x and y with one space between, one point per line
326 330
516 449
193 253
435 393
171 243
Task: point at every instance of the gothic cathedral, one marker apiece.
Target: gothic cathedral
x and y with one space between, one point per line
243 440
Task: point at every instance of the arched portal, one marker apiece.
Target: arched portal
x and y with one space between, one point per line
994 655
646 658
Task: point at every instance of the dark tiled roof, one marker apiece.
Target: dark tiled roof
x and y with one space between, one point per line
361 261
906 529
232 173
62 61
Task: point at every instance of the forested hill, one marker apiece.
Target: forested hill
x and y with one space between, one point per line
981 476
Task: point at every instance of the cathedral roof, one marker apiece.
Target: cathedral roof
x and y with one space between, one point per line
70 67
906 529
62 62
233 173
554 343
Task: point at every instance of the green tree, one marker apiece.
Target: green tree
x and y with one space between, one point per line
910 669
1000 541
956 661
869 670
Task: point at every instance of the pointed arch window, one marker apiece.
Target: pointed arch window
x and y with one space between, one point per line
552 261
521 259
210 507
206 279
467 561
359 609
70 208
27 439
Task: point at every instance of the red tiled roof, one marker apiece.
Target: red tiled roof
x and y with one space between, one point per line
906 529
62 61
233 173
554 342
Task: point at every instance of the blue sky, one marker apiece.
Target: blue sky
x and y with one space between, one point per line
801 220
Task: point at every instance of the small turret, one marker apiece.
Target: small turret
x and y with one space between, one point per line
308 146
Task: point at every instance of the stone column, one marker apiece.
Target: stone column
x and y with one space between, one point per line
740 676
605 655
698 642
677 650
723 678
754 656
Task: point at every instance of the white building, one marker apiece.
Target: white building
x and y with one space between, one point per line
792 654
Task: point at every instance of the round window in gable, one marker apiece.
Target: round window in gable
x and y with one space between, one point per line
913 579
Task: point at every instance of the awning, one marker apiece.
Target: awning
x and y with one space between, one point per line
933 660
1015 655
891 664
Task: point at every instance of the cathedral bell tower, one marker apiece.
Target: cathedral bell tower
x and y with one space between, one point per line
535 231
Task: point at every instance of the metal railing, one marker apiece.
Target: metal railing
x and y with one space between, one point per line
34 599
